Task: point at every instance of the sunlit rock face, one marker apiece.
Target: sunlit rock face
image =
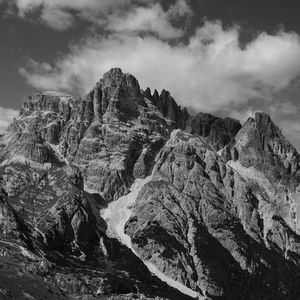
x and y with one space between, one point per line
261 147
207 226
113 133
261 144
216 211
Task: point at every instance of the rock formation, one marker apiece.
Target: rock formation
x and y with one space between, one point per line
218 215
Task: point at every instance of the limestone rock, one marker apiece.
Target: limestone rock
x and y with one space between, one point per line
217 132
201 222
261 144
220 213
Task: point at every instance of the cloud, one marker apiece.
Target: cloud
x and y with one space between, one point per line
291 130
116 15
79 5
242 114
180 9
151 19
61 15
57 19
209 73
6 117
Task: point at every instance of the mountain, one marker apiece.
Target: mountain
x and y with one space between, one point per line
122 194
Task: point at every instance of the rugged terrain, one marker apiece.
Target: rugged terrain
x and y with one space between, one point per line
123 194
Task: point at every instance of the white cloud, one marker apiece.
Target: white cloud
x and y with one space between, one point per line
6 117
65 11
79 5
210 73
152 19
57 19
113 15
284 108
119 15
60 14
243 114
291 130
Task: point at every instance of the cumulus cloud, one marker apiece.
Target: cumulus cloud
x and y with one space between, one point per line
180 8
210 72
242 114
291 130
152 19
134 16
57 19
79 5
119 15
61 15
6 117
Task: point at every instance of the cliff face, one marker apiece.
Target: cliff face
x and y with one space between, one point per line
219 214
211 225
261 144
114 132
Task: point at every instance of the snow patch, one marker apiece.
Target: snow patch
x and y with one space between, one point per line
118 213
171 282
220 151
25 252
56 150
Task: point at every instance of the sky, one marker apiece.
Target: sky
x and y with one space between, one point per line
225 57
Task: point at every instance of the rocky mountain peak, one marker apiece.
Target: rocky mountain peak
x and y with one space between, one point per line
261 144
116 97
147 93
113 72
262 122
168 107
85 181
115 77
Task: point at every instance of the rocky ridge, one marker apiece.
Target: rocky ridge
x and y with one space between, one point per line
219 214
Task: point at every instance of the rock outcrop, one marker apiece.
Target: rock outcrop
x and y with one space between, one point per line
201 222
261 144
219 215
112 134
216 131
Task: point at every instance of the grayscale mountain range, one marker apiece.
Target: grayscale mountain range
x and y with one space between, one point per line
123 194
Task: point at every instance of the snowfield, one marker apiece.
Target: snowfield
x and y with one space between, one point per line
118 213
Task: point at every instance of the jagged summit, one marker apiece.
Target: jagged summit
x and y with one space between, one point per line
69 123
260 143
262 121
76 127
114 72
115 76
